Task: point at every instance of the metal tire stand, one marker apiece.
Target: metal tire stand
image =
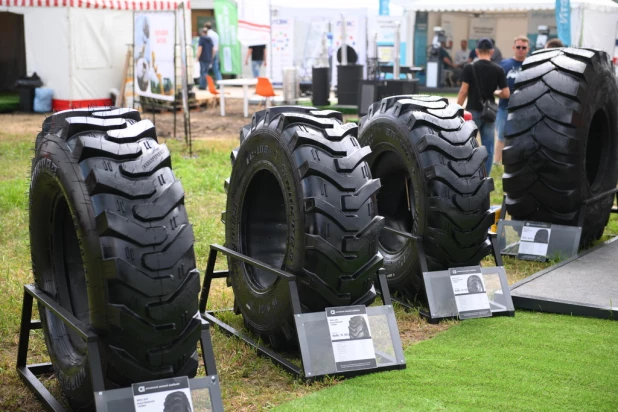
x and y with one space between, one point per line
30 373
423 263
291 368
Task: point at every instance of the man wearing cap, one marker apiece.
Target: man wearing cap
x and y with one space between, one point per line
490 77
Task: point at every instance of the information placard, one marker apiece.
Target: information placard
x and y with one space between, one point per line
153 45
351 338
165 394
534 241
470 292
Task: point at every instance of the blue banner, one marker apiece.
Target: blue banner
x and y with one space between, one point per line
420 42
384 11
563 21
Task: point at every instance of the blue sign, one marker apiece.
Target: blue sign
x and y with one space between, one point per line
563 21
384 11
420 42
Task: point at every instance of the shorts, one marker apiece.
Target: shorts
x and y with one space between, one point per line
501 122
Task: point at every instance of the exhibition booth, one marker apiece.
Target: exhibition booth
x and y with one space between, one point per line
78 48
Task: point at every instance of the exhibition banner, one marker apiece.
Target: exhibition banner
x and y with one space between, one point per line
563 20
282 47
153 54
226 15
384 8
420 42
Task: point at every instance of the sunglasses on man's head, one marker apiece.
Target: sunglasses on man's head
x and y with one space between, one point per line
521 47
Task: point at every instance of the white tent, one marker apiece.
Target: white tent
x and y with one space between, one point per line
593 22
78 47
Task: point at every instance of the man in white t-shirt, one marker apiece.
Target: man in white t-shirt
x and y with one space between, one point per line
215 40
461 56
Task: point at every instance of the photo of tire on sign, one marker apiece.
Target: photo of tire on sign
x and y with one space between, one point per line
153 54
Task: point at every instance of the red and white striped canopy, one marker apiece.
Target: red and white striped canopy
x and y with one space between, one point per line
152 5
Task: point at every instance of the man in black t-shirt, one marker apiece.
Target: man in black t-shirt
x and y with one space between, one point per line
205 53
490 77
258 57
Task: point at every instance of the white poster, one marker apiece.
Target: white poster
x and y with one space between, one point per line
356 39
470 292
534 240
171 394
538 18
282 47
482 27
153 45
351 338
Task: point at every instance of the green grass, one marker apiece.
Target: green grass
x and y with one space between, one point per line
530 362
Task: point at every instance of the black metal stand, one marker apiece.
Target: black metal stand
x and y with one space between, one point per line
210 316
423 263
30 373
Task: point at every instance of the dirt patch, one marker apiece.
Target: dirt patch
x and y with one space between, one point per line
21 123
206 123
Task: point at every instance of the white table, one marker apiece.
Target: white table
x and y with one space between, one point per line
245 83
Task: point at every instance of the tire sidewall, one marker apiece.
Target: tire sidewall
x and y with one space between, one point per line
383 133
602 95
56 174
265 310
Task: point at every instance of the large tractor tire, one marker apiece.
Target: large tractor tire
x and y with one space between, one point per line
434 185
111 243
300 198
562 139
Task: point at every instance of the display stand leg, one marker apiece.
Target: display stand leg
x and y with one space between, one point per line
262 350
294 369
174 118
30 373
424 268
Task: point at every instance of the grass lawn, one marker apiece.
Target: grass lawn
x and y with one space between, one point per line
531 362
252 383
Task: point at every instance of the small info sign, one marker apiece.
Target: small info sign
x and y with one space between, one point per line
351 338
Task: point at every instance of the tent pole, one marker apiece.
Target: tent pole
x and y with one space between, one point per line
270 39
70 57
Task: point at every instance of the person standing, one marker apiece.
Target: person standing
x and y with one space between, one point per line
216 70
497 56
554 44
258 57
461 56
447 62
511 68
479 83
205 52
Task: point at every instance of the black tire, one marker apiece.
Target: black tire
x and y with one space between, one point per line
562 97
176 402
475 285
541 236
300 198
434 185
110 241
358 328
